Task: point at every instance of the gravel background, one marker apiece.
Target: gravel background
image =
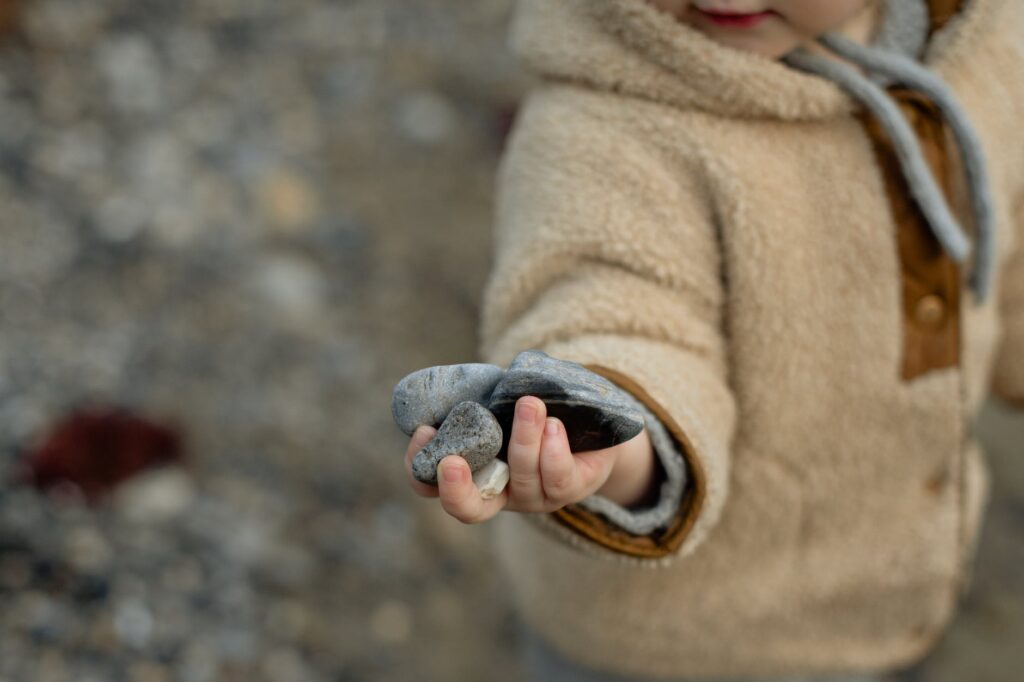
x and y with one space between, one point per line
229 215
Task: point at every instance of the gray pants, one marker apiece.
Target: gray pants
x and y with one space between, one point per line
544 664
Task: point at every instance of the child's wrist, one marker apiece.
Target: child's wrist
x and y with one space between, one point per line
633 480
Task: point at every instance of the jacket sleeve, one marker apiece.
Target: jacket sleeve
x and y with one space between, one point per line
671 476
606 256
1008 369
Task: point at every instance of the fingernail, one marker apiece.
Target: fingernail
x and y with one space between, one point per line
527 411
452 474
551 428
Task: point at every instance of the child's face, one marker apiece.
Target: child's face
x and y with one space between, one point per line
771 27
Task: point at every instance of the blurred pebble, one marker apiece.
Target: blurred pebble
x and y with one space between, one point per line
291 284
133 623
87 550
284 665
391 622
236 644
182 231
426 117
15 571
132 71
288 201
198 662
148 671
155 496
287 618
285 566
60 24
184 576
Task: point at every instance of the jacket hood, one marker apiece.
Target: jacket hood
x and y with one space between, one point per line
630 47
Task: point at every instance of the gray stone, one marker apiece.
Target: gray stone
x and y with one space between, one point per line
594 410
428 395
470 431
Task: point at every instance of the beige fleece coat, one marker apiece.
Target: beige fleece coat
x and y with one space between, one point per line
710 228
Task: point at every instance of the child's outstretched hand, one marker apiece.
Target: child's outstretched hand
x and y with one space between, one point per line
544 474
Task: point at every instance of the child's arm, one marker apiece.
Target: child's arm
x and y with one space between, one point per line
607 255
663 472
633 478
1008 371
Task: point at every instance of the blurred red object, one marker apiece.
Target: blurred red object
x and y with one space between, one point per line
94 450
8 16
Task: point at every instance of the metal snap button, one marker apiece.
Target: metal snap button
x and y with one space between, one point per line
930 310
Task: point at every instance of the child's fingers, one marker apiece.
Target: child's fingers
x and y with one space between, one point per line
459 495
560 479
420 437
593 467
524 453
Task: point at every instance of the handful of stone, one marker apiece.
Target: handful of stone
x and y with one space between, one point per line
472 406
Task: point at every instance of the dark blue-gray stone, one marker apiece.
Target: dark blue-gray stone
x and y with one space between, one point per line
593 409
470 431
426 396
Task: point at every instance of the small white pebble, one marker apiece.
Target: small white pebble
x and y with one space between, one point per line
492 479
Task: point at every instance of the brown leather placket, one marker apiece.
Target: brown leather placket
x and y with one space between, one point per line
942 11
930 278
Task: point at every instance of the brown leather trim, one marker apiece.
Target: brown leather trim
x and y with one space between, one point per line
1016 402
659 543
930 279
942 11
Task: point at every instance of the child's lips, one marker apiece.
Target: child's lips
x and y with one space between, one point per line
736 20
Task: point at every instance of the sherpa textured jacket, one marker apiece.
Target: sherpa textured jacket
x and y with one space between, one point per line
727 238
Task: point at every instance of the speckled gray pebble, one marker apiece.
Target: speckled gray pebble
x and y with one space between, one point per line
427 396
469 430
593 409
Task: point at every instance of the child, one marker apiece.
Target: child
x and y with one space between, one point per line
804 258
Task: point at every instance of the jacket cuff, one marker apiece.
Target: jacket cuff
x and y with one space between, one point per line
670 469
1013 401
683 493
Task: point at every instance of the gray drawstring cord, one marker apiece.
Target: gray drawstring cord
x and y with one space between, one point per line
909 72
884 66
921 182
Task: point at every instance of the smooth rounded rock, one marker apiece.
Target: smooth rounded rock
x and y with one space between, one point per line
426 396
470 431
594 410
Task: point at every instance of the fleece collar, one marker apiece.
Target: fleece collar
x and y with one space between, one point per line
630 47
